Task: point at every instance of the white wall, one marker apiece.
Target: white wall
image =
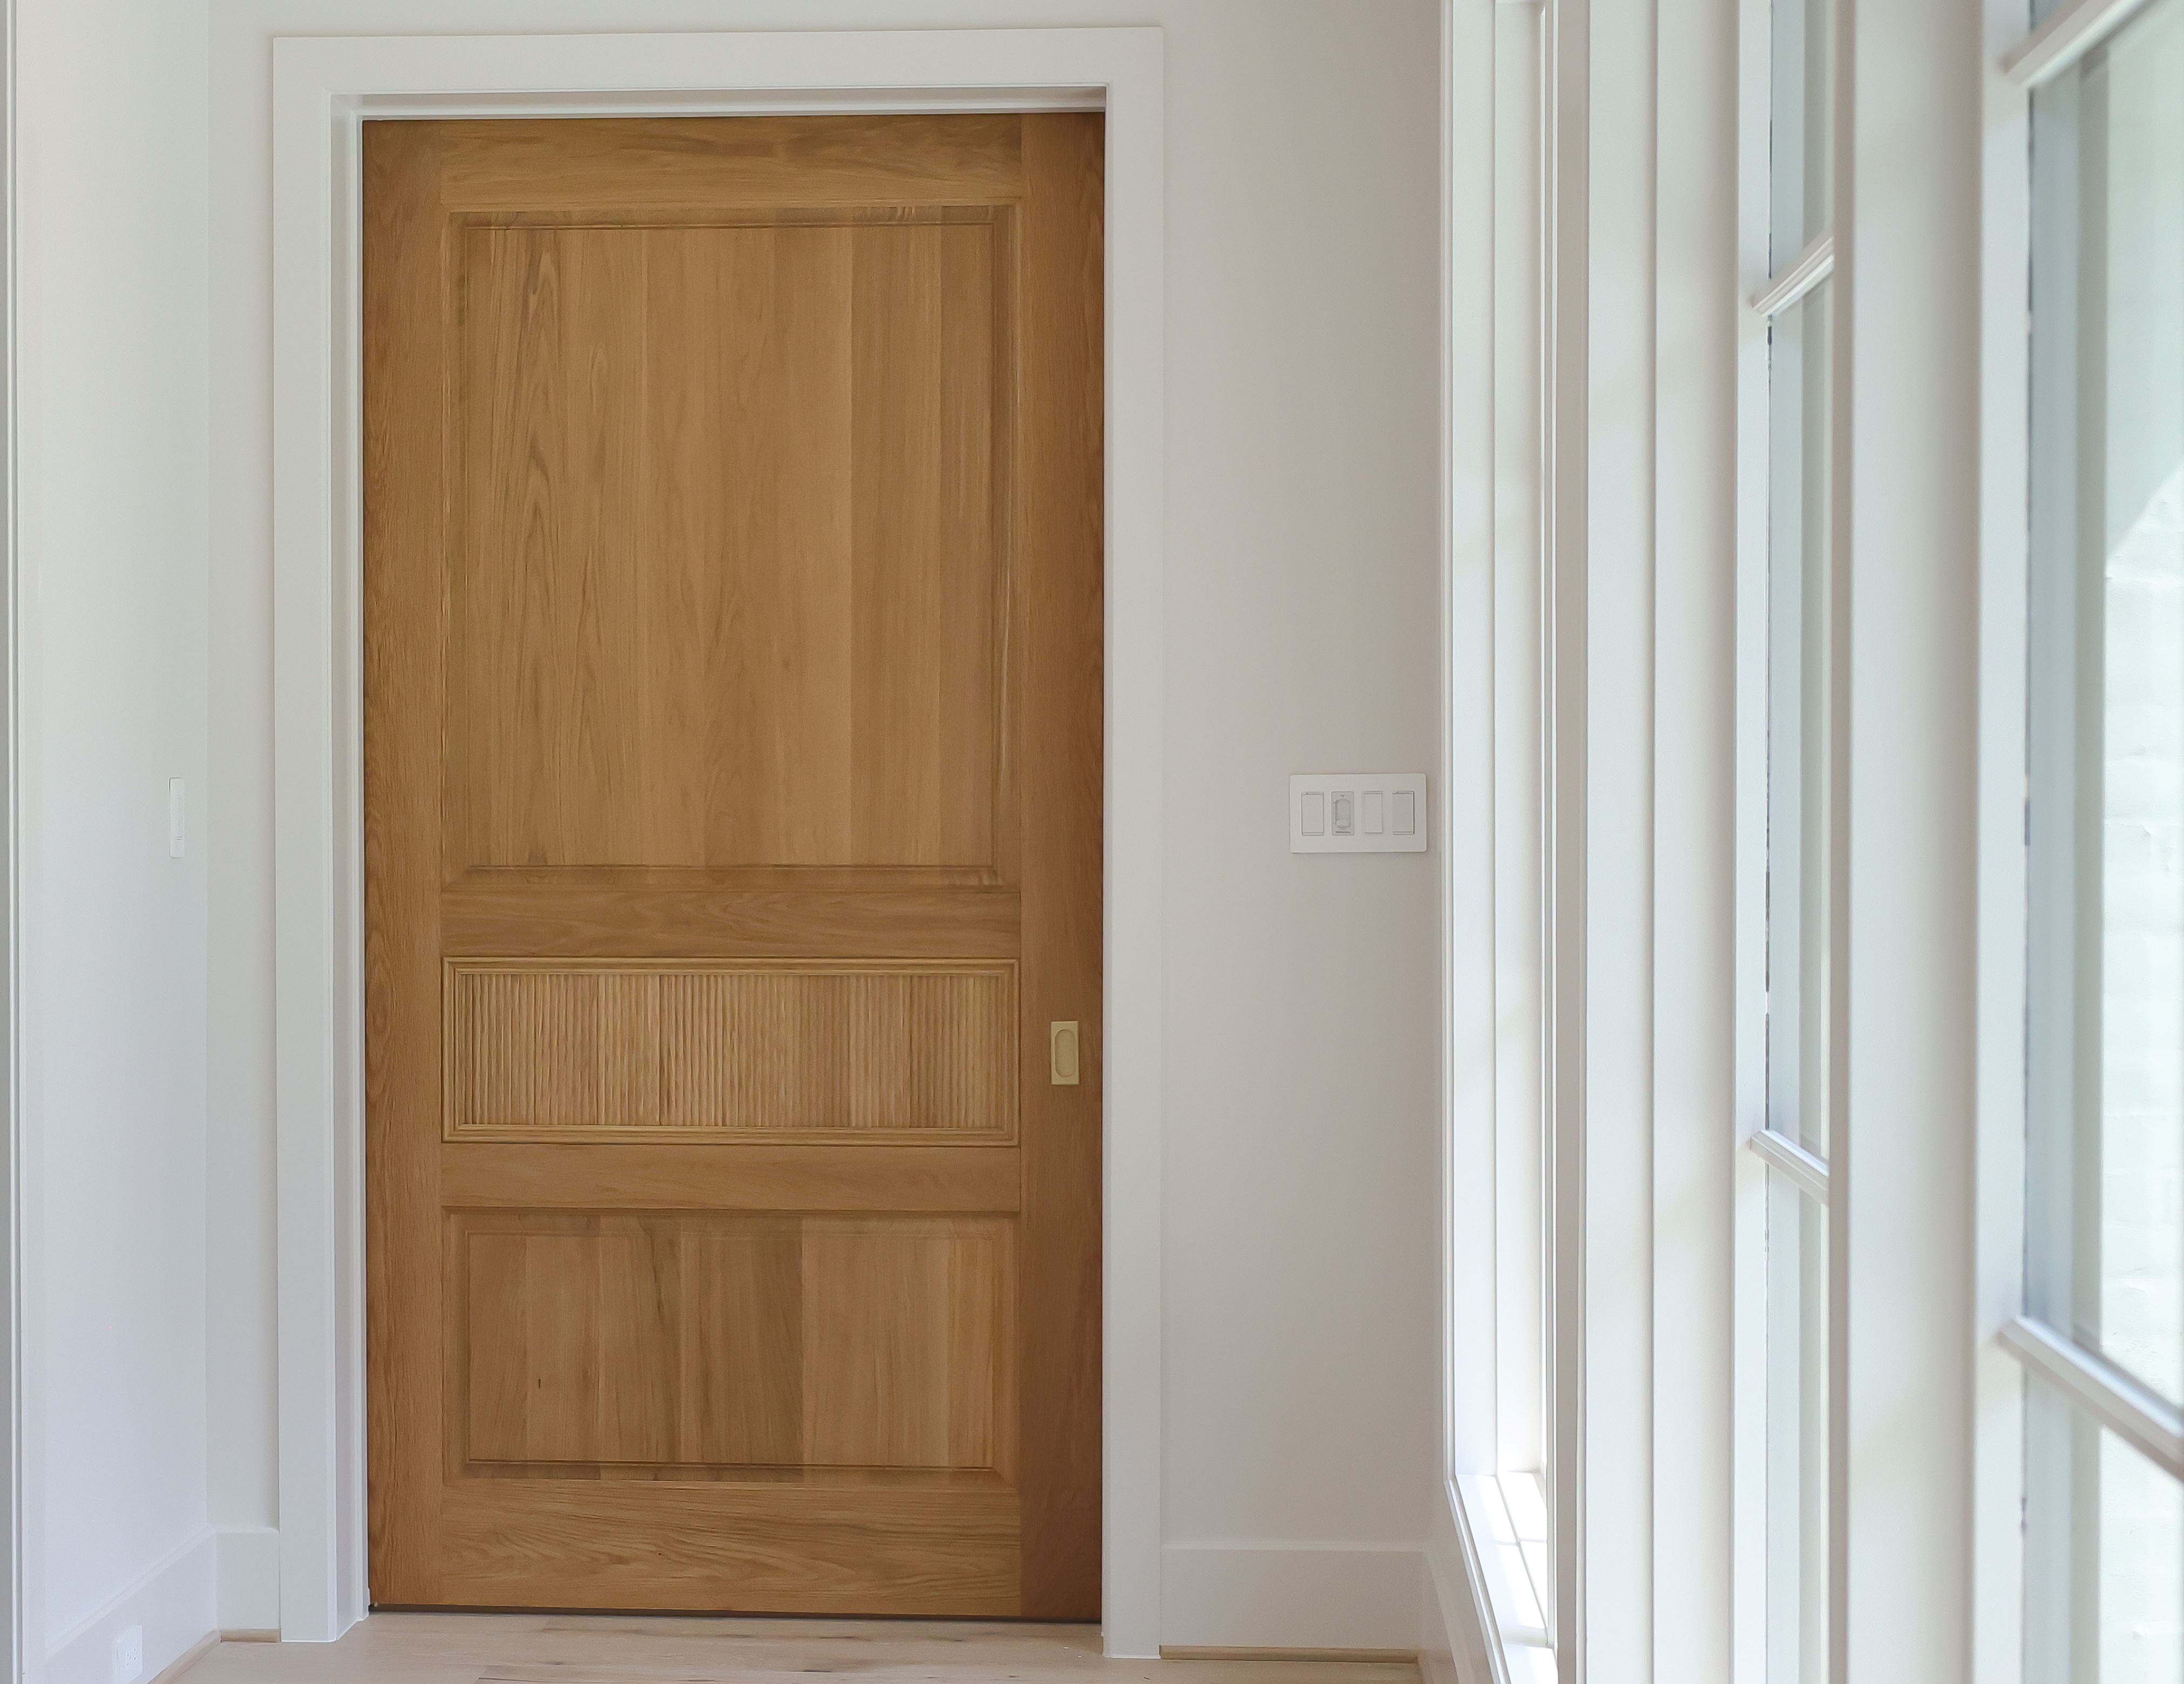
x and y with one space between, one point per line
112 184
1301 1243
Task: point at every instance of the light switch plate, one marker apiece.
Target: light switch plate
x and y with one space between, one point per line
1357 813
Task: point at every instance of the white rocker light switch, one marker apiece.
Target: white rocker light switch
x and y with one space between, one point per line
1357 813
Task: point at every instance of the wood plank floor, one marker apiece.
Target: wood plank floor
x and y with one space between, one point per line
465 1648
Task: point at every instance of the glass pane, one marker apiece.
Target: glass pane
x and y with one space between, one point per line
2104 1555
1798 646
1796 1437
2106 1067
1803 126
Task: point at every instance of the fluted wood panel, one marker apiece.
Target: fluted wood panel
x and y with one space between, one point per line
549 1050
688 1346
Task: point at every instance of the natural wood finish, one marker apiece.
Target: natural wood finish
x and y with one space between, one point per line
670 921
412 1648
732 779
1062 616
767 1175
705 167
730 588
705 1343
787 1049
930 1547
1230 1652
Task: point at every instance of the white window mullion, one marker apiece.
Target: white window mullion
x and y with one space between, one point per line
2133 1411
2065 38
1998 1424
1814 264
1786 1386
1752 1178
1806 1171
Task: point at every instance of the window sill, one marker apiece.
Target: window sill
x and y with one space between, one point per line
1507 1520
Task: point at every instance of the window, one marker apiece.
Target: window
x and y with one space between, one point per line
1500 1275
1791 1402
2103 1331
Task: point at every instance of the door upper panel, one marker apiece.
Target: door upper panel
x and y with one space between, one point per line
730 588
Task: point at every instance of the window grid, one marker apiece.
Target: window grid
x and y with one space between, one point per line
2101 1337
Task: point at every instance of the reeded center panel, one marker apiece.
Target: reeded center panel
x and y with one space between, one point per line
729 583
786 1050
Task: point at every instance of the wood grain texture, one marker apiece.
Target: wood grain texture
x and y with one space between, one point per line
1230 1652
765 1175
581 918
691 1344
778 1547
405 474
710 166
422 1649
811 1050
1062 784
729 590
733 611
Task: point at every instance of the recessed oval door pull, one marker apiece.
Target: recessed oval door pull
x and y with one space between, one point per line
1062 1054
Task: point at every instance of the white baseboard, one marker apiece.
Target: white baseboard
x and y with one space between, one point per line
176 1602
1290 1596
1437 1640
249 1579
1436 1657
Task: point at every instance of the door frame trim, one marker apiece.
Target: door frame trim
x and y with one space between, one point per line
324 88
14 1363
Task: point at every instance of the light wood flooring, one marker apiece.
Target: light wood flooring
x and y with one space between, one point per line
458 1648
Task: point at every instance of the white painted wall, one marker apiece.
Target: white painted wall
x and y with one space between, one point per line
111 175
1302 1243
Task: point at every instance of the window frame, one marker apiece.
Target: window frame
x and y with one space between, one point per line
2016 1351
2099 1383
1498 1427
1997 1428
1770 1162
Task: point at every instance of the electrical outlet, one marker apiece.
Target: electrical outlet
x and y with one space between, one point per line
129 1655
